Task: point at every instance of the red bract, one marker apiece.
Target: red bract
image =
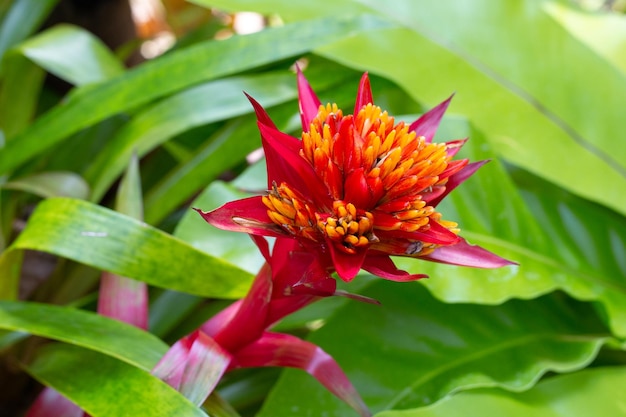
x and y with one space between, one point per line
358 188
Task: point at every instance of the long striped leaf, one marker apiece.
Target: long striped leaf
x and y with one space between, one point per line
110 241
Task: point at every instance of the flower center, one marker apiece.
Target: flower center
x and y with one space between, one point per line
378 175
376 164
349 228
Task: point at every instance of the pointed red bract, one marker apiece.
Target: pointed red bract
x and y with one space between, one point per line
381 265
464 254
364 94
247 215
308 101
456 179
428 123
286 166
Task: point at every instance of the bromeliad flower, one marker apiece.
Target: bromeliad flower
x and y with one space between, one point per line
358 188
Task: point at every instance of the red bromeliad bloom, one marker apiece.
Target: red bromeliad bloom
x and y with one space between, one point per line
358 188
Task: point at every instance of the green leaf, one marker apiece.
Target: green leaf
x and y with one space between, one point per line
605 33
83 328
51 184
122 389
19 93
181 112
222 151
560 241
72 54
236 248
593 392
10 271
21 20
414 350
170 73
129 199
116 243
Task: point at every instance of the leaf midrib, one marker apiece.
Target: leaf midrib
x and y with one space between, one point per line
509 344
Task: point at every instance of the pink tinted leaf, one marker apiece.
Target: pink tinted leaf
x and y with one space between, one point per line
123 299
205 365
364 94
248 215
382 266
307 100
276 349
464 254
456 179
428 123
171 367
50 403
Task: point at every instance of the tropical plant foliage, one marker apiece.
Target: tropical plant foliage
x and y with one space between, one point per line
540 87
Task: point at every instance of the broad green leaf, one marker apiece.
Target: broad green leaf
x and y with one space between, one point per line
518 132
51 184
560 242
592 392
170 73
605 33
22 19
110 241
509 80
413 350
105 387
72 54
83 328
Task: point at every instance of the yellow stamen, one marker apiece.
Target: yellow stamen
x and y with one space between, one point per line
289 210
348 228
